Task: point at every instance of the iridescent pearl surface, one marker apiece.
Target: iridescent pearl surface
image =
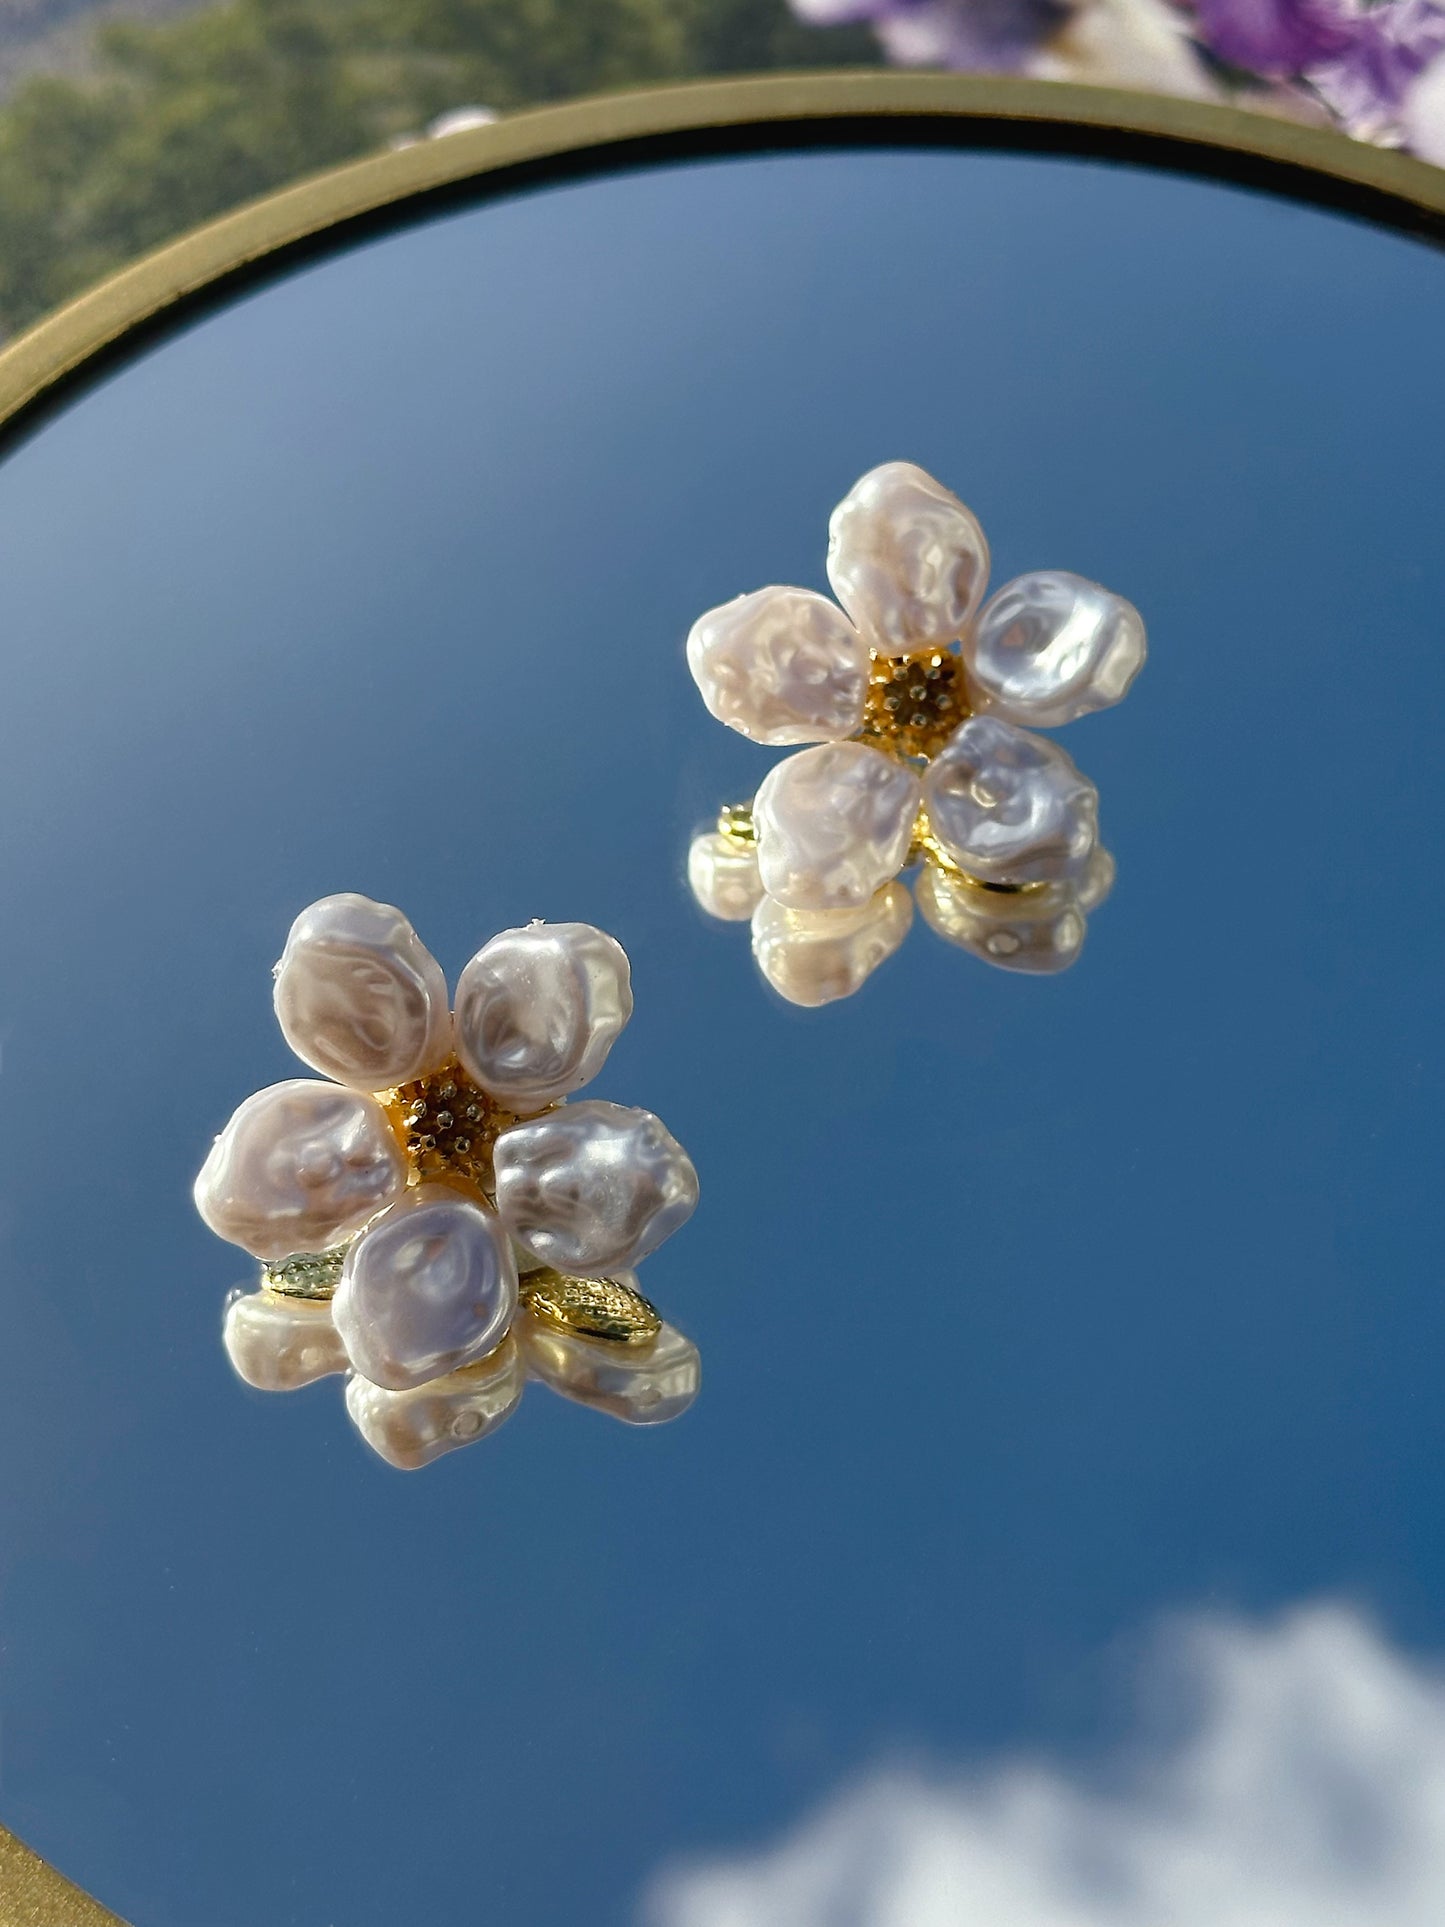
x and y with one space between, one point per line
412 1428
814 957
780 666
833 825
300 1166
1036 933
430 1288
592 1188
723 876
277 1343
1051 646
359 996
907 560
538 1009
1008 806
641 1384
1096 880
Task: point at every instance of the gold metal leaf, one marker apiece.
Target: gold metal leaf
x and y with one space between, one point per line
595 1307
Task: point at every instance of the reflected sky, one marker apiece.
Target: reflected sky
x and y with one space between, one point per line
1285 1774
1030 1306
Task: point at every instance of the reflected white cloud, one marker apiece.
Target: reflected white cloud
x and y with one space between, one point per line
1305 1789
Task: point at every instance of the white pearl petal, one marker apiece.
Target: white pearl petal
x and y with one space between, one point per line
1097 879
814 957
359 996
301 1166
1010 807
431 1287
592 1188
1050 646
640 1384
278 1343
833 825
539 1009
409 1429
1036 931
781 666
723 875
906 559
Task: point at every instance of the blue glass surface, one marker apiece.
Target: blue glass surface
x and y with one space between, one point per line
1028 1308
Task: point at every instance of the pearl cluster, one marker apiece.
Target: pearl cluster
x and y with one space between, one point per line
919 701
438 1222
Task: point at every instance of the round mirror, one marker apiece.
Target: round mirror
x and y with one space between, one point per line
1070 1340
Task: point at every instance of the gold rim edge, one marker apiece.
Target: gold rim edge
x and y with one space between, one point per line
33 1894
1150 125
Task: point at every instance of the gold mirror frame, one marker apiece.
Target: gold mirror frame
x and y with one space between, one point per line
765 114
772 113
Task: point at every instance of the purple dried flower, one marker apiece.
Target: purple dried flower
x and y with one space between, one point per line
1273 38
1000 36
969 35
1359 60
991 36
1423 114
1390 47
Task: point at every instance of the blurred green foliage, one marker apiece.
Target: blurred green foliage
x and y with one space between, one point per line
184 120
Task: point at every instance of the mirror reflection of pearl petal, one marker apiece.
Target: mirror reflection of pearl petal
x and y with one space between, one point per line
907 560
833 825
430 1288
1010 807
1050 646
814 957
592 1188
410 1429
642 1385
723 876
1036 933
780 666
538 1010
277 1343
1097 880
300 1166
358 995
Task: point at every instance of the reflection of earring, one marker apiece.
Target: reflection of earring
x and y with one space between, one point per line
915 697
438 1219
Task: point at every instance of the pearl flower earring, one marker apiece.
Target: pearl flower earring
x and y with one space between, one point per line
438 1220
916 694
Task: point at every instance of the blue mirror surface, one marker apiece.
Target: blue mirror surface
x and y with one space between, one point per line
1041 1318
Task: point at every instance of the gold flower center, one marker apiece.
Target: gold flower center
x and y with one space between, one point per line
913 704
448 1127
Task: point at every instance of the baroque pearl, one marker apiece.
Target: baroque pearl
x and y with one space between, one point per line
1010 807
278 1343
780 666
906 559
539 1009
833 825
431 1287
359 996
1051 646
1035 932
301 1165
723 876
814 957
640 1384
409 1429
592 1188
